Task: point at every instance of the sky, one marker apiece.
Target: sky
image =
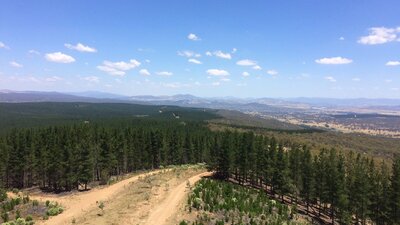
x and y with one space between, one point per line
207 48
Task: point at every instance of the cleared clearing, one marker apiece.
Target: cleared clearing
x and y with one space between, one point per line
150 198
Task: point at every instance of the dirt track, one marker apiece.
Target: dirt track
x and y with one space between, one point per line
167 208
80 203
83 204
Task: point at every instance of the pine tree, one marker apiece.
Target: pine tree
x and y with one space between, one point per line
395 192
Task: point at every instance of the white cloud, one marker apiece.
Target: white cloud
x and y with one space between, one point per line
195 61
356 79
388 81
165 73
15 64
80 47
380 35
217 72
341 38
393 63
111 71
53 79
334 61
193 37
257 67
59 57
144 72
272 72
234 50
245 74
189 54
2 45
118 68
91 79
33 52
222 55
330 79
208 53
176 85
225 79
246 62
215 83
147 60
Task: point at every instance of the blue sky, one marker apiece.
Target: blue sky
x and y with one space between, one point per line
286 48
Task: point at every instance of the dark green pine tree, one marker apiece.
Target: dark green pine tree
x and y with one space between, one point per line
84 172
281 177
308 182
395 192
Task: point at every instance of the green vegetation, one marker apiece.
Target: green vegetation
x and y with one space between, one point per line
28 115
344 188
20 210
228 203
300 168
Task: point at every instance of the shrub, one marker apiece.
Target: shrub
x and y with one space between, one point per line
17 214
35 203
3 195
54 211
183 223
4 216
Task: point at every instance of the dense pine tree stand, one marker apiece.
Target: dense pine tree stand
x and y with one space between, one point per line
330 185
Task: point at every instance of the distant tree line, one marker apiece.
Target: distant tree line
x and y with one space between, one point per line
342 188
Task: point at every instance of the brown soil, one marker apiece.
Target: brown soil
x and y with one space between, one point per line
151 198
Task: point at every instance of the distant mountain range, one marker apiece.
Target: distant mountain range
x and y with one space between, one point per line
241 104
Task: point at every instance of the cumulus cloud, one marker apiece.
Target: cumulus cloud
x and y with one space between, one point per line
80 47
393 63
246 62
217 72
144 72
33 52
272 72
118 68
245 74
333 61
189 54
380 35
257 67
234 50
195 61
164 73
91 79
15 64
59 57
2 45
341 38
193 37
219 54
330 79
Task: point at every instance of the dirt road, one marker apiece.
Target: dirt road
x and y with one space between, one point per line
168 207
77 204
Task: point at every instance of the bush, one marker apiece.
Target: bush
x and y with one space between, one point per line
3 195
35 203
54 211
183 223
4 216
28 218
